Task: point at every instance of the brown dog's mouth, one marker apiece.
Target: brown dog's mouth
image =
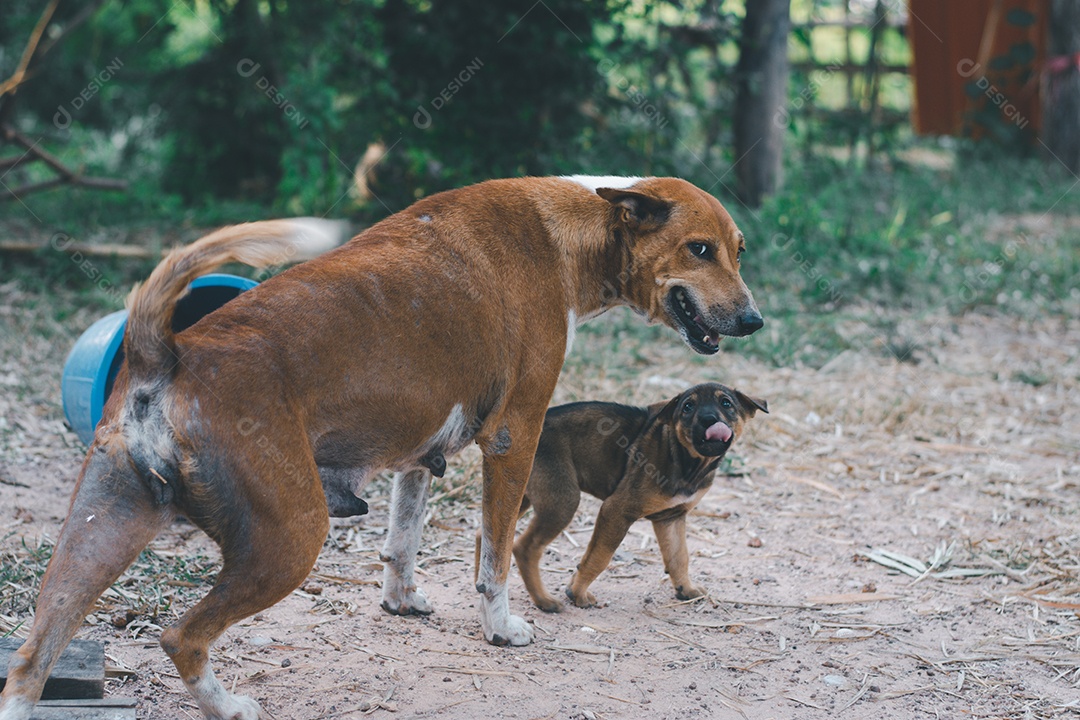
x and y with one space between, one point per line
688 320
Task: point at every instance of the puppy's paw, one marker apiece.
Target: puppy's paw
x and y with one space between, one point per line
517 631
583 599
548 604
414 602
689 591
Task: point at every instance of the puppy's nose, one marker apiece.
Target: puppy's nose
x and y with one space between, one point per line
709 418
750 321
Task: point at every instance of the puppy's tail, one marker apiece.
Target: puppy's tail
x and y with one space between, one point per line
149 343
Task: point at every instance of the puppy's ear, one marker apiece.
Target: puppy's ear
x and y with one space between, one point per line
663 411
750 405
637 208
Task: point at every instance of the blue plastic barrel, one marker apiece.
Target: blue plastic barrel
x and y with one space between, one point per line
91 367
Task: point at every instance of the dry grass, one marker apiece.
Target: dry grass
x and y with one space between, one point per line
917 523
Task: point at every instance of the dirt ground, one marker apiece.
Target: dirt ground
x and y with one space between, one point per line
965 457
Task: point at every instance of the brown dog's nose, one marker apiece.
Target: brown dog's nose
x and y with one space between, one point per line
750 322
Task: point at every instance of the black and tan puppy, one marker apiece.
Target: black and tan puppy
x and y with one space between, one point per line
655 463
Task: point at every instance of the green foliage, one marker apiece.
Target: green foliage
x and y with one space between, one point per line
838 240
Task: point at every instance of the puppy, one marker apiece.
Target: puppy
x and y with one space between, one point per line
655 463
445 324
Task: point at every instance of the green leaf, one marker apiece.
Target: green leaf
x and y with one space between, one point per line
1020 17
1022 53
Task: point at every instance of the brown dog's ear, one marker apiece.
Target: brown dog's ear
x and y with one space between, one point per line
750 405
637 207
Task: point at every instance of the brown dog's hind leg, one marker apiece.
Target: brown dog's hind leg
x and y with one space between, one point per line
111 519
408 503
611 527
551 515
266 554
671 536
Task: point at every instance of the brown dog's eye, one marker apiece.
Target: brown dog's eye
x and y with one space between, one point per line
688 407
699 249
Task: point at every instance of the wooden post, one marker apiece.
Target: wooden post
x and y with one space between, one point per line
762 81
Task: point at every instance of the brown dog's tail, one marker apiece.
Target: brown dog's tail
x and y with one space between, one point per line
149 343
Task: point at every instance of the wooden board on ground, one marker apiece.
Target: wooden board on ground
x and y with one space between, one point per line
79 673
111 709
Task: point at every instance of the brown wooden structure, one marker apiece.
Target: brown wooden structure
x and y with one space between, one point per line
977 63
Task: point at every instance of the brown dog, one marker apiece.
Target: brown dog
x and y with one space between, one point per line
444 324
655 463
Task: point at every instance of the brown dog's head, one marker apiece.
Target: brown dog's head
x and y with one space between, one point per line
708 417
685 252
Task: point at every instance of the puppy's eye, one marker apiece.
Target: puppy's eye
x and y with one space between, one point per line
688 407
699 249
725 403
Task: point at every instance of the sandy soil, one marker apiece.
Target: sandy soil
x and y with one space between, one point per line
969 454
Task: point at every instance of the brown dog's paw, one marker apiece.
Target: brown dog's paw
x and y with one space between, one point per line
414 603
582 600
689 592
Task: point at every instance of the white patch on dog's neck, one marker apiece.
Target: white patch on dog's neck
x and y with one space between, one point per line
602 181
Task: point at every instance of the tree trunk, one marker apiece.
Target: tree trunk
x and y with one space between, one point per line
1061 99
762 80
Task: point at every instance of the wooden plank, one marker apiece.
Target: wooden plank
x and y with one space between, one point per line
79 673
111 709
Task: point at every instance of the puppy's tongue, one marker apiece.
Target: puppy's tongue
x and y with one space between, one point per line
718 431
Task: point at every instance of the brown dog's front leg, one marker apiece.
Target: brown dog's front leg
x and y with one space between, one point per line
671 536
505 477
611 527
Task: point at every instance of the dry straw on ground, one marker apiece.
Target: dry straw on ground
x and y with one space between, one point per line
916 552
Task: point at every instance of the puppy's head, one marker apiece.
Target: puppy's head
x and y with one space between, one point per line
707 418
685 251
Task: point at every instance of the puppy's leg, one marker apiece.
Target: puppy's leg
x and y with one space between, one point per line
612 524
407 506
111 519
266 554
671 536
551 514
505 477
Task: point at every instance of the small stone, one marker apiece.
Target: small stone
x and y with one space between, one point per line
754 542
259 641
835 680
286 662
